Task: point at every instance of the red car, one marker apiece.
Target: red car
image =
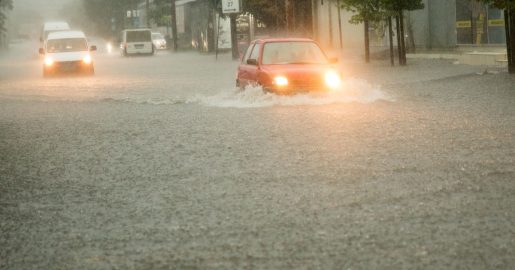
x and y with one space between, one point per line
288 66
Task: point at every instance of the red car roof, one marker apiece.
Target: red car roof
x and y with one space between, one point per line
283 39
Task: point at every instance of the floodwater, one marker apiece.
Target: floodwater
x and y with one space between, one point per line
160 162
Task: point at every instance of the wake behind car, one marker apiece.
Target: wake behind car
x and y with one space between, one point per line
67 52
288 66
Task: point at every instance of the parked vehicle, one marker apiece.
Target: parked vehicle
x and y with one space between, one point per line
67 52
136 41
288 66
159 41
50 27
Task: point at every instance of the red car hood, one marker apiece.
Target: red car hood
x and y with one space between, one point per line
296 71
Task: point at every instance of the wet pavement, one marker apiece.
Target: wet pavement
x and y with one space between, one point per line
161 163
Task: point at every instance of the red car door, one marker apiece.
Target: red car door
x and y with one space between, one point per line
248 69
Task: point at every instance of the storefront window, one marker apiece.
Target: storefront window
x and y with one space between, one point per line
478 24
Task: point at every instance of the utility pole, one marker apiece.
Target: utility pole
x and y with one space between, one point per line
234 37
147 11
403 43
390 35
340 24
314 18
509 20
174 25
290 17
367 41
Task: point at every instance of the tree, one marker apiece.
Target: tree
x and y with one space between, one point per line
509 26
365 11
5 6
159 12
106 18
270 12
397 8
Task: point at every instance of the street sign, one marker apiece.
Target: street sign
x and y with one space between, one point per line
231 6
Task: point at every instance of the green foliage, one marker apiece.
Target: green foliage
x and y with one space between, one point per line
159 12
104 15
398 5
502 4
270 12
377 10
370 10
5 6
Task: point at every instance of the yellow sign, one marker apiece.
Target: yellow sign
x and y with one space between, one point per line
463 24
497 22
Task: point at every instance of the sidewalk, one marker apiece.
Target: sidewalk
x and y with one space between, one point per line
476 56
491 56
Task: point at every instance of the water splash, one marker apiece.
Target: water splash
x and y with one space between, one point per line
352 90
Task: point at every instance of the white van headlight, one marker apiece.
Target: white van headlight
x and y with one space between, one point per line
86 59
49 61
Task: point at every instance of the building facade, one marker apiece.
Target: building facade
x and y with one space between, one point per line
442 24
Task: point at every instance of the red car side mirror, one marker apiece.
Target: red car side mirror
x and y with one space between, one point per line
252 62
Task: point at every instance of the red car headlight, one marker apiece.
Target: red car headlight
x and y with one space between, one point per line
49 61
281 81
332 79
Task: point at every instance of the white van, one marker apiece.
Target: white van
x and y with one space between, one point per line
50 27
67 51
136 41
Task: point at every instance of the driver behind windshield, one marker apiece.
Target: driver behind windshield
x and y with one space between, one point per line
66 45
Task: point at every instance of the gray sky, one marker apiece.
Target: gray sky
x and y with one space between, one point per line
47 8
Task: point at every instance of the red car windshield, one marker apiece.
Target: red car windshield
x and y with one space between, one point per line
294 52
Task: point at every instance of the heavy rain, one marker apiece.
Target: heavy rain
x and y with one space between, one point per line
162 134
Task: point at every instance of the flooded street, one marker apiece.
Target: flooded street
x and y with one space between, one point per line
161 163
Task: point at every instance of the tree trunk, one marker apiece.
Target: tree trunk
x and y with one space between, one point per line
234 38
211 30
174 25
403 43
411 46
367 42
340 25
390 34
509 19
399 52
147 11
290 17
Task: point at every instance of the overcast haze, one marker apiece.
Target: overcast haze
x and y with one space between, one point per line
49 9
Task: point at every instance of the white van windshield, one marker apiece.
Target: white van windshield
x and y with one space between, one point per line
67 45
138 36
